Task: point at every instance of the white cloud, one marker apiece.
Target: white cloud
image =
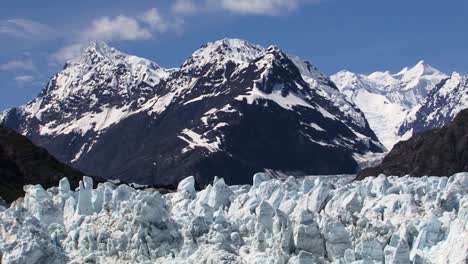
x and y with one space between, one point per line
24 78
67 53
155 20
118 28
183 7
17 65
260 7
24 28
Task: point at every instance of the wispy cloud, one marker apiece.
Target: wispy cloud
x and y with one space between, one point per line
66 53
18 65
120 28
260 7
243 7
155 20
184 7
24 78
25 28
117 28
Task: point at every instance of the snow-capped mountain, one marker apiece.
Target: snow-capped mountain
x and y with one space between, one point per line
231 109
386 98
92 92
440 107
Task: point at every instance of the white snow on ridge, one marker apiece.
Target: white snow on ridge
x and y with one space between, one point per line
309 220
220 52
387 99
3 114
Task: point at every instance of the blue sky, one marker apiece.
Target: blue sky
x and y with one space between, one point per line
358 35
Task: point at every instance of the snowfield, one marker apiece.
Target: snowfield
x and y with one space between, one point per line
310 220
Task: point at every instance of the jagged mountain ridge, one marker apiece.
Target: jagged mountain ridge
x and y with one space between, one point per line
386 99
231 109
440 107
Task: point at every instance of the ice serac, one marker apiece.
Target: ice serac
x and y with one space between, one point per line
401 220
232 109
387 99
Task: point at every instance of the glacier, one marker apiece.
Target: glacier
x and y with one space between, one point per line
315 219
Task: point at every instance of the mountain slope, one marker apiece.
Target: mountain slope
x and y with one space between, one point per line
440 107
231 109
22 163
440 151
92 92
386 99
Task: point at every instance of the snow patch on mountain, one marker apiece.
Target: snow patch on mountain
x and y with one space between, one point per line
196 140
319 219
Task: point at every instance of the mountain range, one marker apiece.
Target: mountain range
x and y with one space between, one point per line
386 98
231 109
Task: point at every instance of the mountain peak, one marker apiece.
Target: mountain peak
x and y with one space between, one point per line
221 51
418 71
98 50
97 46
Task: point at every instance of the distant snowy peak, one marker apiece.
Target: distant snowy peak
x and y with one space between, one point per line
407 78
409 86
387 98
440 107
350 83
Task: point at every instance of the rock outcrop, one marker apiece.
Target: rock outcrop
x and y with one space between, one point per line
435 152
23 163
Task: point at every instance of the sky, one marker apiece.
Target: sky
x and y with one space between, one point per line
38 37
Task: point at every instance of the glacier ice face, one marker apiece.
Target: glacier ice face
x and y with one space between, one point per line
329 219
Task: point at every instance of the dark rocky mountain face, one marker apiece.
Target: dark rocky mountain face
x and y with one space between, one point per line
442 151
440 107
22 163
231 110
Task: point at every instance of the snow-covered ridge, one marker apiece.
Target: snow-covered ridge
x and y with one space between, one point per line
99 81
386 99
221 51
309 220
439 107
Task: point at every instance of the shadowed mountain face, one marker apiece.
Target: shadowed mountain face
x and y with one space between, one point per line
23 163
232 109
442 151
